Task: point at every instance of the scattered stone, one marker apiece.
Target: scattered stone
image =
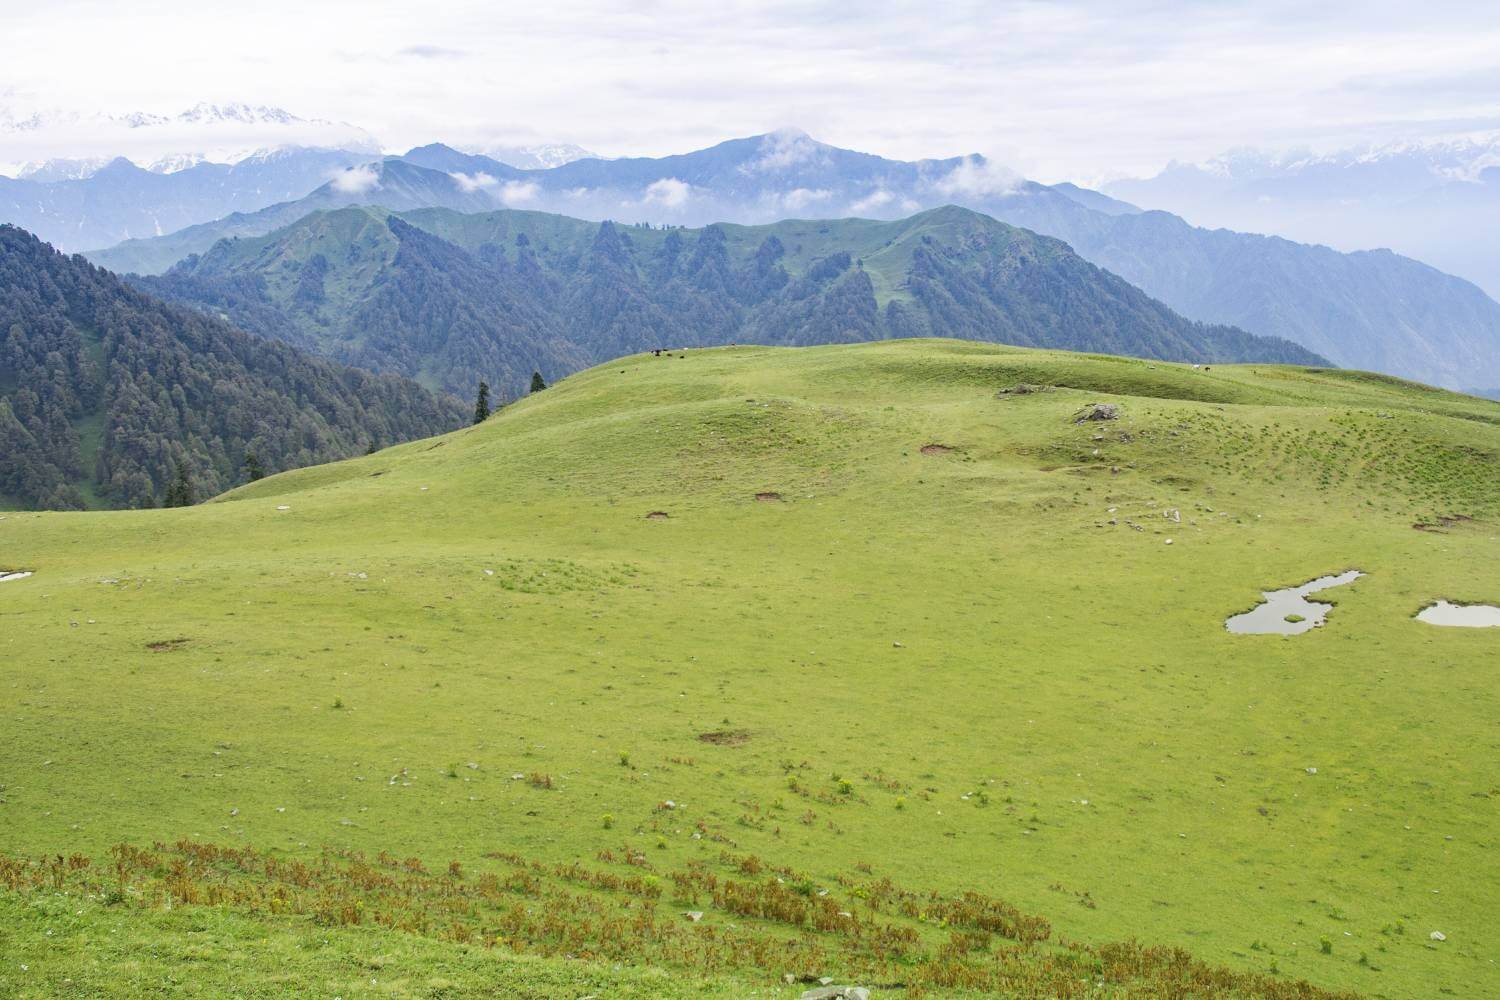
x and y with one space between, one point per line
1022 389
836 993
1438 936
18 574
1312 770
694 916
1098 411
898 645
284 507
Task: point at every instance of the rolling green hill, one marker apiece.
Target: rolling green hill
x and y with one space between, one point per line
448 298
872 655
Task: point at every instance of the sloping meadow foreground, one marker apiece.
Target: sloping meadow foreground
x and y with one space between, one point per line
697 672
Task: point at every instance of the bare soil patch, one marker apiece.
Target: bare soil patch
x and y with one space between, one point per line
657 515
165 645
936 449
1442 523
768 497
726 737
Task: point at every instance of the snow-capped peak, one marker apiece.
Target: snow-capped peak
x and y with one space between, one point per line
541 156
165 143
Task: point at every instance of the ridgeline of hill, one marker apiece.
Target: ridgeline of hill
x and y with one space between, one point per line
1372 310
695 671
105 392
448 299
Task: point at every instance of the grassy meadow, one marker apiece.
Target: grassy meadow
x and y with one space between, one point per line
948 650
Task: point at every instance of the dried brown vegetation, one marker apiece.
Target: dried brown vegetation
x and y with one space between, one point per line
760 919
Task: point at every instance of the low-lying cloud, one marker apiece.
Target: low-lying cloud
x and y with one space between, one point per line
477 181
669 192
520 193
977 177
357 180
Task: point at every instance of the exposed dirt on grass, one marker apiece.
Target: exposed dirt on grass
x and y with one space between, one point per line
937 449
768 497
657 515
1442 523
726 737
165 645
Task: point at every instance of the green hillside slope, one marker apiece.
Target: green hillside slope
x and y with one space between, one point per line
720 631
105 393
449 298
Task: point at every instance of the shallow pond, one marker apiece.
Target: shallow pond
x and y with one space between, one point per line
1460 615
1288 612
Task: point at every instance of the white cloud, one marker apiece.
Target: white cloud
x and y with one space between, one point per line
878 198
1068 90
799 198
668 192
477 181
520 193
357 180
784 148
976 177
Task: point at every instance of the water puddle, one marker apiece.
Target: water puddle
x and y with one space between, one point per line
1460 615
1288 612
7 575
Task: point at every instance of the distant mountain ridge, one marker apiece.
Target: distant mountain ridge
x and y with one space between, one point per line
449 298
1437 200
120 200
1376 311
105 391
205 132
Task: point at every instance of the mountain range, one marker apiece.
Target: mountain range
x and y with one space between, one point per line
1437 200
1374 309
121 201
75 143
448 298
105 393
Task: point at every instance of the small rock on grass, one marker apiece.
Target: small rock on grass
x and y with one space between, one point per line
837 993
1438 936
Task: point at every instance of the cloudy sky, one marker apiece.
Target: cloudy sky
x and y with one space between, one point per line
1069 90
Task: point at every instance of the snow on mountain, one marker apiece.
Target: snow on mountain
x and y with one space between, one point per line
1436 198
538 157
163 143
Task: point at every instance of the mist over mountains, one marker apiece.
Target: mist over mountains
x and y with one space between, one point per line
1436 200
69 145
1375 310
449 298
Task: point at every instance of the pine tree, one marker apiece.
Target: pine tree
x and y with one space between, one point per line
253 470
537 384
180 490
482 404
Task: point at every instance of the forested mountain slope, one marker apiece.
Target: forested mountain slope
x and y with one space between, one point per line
105 391
449 298
1377 310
